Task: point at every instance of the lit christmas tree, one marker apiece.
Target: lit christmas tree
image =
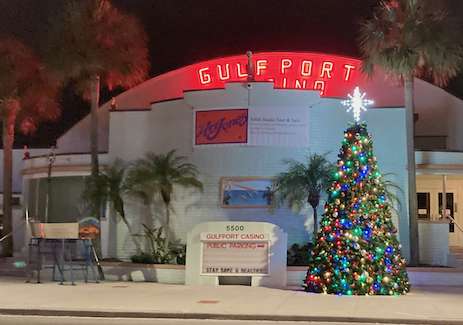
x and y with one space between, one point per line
356 250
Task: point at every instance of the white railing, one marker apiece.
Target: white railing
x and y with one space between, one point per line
456 223
63 160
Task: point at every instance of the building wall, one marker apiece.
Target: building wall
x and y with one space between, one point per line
169 125
77 138
440 114
18 165
455 129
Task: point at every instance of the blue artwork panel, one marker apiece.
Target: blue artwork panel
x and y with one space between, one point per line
246 192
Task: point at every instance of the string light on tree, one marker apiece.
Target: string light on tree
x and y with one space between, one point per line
357 103
356 251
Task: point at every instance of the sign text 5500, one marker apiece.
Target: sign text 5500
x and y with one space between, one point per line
235 228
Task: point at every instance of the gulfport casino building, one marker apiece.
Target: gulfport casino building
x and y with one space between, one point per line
238 130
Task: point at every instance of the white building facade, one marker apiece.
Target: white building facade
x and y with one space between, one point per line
292 106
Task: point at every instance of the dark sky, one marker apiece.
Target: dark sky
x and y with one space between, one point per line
186 31
182 32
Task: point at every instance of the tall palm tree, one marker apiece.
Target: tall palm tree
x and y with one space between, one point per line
109 186
303 183
27 97
156 175
93 43
408 39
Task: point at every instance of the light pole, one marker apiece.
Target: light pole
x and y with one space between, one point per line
51 160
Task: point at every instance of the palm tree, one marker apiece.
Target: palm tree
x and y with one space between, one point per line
109 186
27 97
92 42
408 39
303 183
156 175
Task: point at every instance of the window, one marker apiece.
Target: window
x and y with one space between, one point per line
423 205
449 204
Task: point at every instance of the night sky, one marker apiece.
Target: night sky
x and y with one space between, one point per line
182 32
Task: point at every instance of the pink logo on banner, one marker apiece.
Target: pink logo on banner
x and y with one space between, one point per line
221 126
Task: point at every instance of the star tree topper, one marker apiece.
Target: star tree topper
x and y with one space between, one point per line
357 103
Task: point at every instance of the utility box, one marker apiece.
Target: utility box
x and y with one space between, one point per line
434 242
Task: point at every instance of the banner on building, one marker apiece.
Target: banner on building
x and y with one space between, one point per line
256 126
279 126
228 126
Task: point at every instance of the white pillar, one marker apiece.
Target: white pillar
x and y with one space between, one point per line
444 196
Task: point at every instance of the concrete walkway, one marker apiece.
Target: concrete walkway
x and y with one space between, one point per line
424 305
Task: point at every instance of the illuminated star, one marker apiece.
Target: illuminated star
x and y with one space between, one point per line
357 103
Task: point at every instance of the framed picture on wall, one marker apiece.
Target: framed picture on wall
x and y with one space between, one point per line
246 192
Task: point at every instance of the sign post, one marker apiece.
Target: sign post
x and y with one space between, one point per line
230 249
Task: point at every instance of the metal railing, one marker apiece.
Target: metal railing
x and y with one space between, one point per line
11 233
93 251
455 223
6 236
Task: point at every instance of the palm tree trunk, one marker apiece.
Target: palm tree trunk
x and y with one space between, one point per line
315 223
314 200
410 125
95 101
9 118
129 228
48 198
167 224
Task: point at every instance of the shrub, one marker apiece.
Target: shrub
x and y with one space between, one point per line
180 254
143 258
162 251
298 255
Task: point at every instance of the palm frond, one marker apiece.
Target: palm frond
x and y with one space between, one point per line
302 180
26 82
107 186
412 38
92 37
390 189
158 174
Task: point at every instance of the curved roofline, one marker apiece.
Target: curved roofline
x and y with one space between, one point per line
173 73
260 52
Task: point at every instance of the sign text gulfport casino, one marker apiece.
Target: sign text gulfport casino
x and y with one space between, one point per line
287 70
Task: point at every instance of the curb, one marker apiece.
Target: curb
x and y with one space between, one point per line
238 317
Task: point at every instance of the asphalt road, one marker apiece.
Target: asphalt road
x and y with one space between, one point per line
40 320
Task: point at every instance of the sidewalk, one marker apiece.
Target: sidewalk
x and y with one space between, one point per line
424 305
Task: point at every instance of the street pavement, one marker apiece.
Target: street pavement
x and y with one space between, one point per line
424 305
47 320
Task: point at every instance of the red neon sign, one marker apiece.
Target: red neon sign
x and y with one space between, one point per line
333 76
